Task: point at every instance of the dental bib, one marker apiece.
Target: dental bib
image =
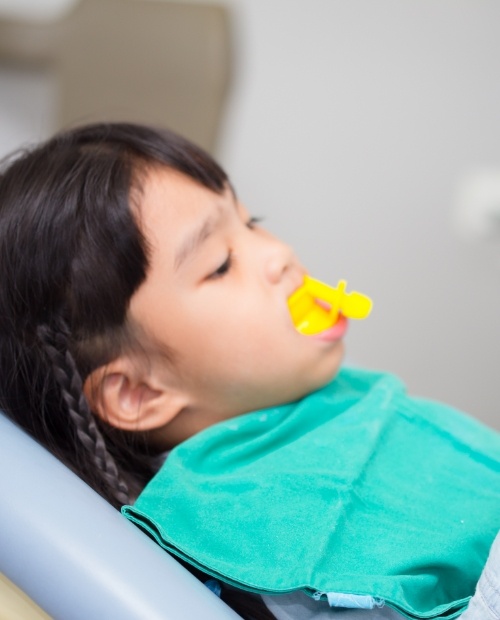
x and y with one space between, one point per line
357 494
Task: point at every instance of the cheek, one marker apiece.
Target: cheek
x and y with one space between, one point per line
230 316
228 345
203 338
230 334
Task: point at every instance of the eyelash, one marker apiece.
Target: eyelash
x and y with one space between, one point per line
253 221
229 262
224 268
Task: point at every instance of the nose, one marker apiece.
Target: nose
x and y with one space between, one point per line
280 259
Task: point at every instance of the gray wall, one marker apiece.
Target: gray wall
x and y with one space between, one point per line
351 125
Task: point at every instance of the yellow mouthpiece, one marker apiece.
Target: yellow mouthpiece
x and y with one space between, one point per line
315 306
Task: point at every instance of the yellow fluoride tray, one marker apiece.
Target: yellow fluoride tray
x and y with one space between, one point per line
315 306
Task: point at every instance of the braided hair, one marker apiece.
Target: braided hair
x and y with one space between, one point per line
72 255
70 383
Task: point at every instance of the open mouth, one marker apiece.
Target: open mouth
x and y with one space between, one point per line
333 333
320 310
312 316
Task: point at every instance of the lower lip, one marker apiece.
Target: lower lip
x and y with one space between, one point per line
333 333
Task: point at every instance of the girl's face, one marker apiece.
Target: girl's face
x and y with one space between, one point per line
216 296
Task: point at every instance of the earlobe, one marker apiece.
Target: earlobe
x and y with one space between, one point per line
126 397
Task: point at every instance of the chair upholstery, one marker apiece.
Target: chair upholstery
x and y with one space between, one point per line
164 63
75 556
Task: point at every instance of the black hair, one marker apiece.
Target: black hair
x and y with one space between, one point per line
72 255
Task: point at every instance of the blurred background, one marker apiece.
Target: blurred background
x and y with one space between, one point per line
366 133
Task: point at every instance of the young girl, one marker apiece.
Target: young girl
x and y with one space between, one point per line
141 304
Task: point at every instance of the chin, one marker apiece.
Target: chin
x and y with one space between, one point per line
328 373
325 380
314 384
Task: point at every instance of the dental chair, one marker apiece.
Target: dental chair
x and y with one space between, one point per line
66 551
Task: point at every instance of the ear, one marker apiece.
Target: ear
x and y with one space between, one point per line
129 396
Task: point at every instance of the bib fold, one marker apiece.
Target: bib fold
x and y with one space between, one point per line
356 491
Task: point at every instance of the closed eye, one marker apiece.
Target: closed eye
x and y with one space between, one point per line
224 268
253 221
229 262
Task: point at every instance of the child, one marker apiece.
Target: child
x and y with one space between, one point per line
140 304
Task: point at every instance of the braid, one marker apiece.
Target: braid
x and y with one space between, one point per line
55 344
73 202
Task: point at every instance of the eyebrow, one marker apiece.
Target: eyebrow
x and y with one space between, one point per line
192 241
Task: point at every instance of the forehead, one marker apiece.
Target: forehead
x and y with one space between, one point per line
171 199
176 213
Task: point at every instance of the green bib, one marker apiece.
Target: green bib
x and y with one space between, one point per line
356 489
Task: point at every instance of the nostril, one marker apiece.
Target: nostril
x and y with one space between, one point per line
275 269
